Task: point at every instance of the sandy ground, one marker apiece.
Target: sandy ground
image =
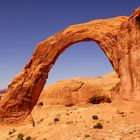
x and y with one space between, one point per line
120 121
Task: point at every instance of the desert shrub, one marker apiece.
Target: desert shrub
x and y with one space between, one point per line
86 136
98 126
28 138
95 117
11 132
56 119
33 123
120 112
20 136
41 120
69 122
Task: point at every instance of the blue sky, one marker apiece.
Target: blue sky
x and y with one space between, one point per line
24 23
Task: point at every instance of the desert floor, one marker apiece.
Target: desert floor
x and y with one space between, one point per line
120 121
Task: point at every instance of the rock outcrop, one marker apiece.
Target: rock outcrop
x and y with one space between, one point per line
79 91
118 37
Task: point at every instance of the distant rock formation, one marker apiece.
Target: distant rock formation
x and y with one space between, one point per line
118 37
2 93
79 91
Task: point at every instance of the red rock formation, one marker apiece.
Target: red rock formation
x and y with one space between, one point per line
118 38
78 91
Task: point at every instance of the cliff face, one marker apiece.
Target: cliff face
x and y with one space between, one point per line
118 38
128 44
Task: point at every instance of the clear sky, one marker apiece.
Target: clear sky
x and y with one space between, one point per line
24 23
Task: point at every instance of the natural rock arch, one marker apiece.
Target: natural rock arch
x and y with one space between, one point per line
118 38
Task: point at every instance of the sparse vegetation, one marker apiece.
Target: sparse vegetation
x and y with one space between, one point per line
95 117
28 138
56 119
33 123
41 120
68 112
119 112
20 136
86 136
11 132
98 125
69 122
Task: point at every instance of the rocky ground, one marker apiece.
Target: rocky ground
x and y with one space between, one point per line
118 120
72 117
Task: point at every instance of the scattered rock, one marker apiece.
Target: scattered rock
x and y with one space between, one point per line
95 117
56 120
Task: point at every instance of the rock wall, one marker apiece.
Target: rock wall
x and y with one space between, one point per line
118 38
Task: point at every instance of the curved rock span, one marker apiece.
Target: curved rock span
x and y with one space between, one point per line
118 37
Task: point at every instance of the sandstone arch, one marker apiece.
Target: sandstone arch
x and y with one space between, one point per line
118 38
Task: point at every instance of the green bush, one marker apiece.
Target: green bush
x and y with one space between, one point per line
20 136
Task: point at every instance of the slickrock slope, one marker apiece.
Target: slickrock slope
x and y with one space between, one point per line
118 37
78 91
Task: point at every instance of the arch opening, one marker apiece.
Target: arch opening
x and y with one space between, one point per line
79 63
82 59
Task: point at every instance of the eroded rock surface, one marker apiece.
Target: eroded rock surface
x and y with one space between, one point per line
79 91
118 37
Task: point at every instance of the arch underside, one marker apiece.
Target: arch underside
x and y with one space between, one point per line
23 92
